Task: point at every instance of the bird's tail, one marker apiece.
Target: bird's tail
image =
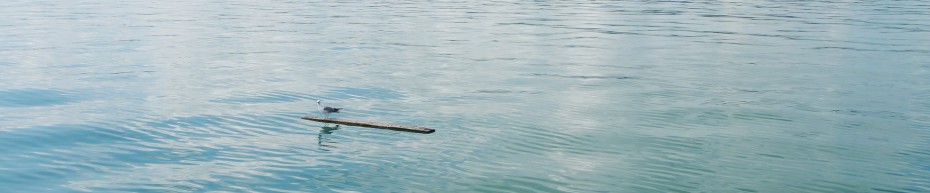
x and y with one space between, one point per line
336 110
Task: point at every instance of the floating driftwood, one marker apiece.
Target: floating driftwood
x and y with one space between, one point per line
417 129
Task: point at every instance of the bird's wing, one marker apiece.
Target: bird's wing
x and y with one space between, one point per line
330 109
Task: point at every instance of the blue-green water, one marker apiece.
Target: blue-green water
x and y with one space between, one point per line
563 96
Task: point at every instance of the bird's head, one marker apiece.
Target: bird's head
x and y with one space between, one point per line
317 101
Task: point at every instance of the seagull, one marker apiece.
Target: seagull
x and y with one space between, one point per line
326 110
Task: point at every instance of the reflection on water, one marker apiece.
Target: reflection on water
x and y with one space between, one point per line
530 96
326 130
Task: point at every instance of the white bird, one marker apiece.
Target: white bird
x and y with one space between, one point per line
326 110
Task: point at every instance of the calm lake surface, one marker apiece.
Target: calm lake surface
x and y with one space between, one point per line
561 96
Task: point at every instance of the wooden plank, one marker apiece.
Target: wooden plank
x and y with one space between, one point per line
417 129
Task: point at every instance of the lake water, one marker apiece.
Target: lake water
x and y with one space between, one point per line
526 96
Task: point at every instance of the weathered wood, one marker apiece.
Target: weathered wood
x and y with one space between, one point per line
417 129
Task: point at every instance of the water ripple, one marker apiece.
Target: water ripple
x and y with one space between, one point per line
570 96
36 97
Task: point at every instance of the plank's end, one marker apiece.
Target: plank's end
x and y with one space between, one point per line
427 130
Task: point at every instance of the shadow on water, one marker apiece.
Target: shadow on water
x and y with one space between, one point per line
326 130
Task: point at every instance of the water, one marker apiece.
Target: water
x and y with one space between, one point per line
564 96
